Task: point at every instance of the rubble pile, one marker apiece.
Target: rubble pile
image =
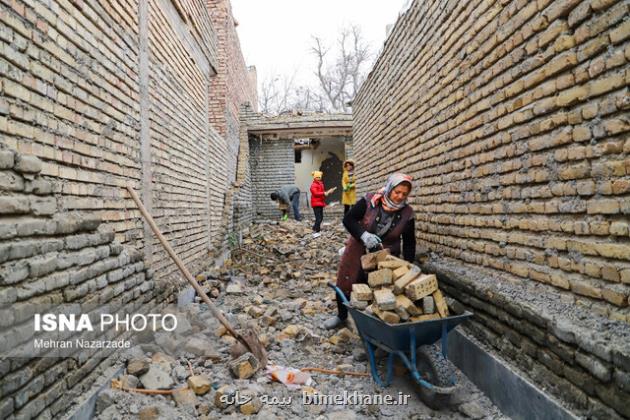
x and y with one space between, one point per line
274 282
397 291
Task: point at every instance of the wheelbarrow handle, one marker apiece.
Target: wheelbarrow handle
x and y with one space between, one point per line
339 293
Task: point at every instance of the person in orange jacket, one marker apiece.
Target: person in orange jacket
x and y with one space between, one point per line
318 202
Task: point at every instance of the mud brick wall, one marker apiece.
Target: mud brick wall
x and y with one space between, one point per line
512 116
50 256
272 166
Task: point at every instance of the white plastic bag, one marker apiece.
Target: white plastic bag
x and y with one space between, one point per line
291 377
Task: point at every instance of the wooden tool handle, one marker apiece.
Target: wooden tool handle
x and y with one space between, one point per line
217 314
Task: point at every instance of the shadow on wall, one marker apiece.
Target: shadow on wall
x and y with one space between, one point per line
332 169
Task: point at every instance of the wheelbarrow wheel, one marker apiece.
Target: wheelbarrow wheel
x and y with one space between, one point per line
439 372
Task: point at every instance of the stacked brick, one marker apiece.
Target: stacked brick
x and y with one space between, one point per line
50 257
397 291
512 117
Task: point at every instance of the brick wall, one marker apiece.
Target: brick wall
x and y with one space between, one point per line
179 136
232 86
107 95
512 116
272 166
50 256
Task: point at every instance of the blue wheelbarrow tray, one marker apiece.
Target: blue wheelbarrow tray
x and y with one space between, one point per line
402 340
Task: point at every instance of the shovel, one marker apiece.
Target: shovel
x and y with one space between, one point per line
249 338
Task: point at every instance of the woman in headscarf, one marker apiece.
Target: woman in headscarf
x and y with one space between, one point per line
348 184
383 218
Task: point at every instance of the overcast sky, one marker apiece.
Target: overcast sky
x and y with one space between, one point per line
276 35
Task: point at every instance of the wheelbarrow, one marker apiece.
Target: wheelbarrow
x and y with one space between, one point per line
404 340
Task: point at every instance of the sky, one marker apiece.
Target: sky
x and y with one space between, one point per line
276 35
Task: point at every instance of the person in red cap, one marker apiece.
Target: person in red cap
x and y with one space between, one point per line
380 219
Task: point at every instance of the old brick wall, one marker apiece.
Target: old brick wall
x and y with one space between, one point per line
272 166
179 136
233 86
512 116
50 256
105 95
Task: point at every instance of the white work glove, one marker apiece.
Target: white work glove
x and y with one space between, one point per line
370 240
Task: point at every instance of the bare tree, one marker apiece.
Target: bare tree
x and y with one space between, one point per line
276 94
341 69
341 75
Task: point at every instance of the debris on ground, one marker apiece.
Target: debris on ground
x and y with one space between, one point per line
274 282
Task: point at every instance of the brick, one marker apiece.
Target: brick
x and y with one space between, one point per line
251 407
440 303
14 205
400 271
380 278
581 134
585 288
200 384
603 206
385 299
426 317
594 366
616 294
421 287
369 261
405 303
402 282
27 164
359 304
619 228
402 313
362 292
428 305
392 263
616 126
601 86
571 96
10 181
185 397
43 206
7 159
243 367
620 33
389 317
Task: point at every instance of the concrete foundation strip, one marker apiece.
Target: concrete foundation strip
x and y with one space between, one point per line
515 396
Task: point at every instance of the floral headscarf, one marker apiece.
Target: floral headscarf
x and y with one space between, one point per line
383 194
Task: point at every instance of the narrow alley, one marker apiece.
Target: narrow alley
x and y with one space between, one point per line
277 282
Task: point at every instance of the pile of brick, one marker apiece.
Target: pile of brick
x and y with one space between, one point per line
397 291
